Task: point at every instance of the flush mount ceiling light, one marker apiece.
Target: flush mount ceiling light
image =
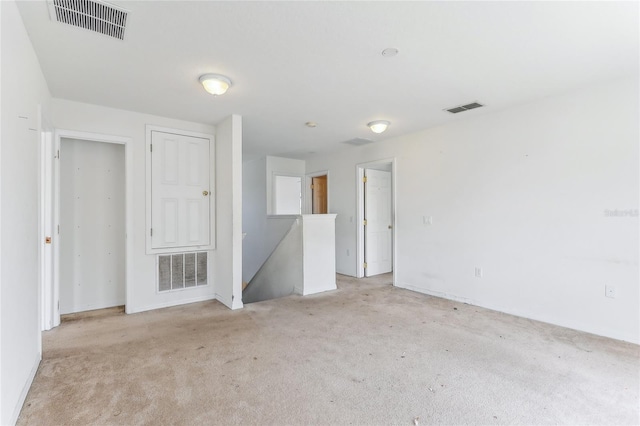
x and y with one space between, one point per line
378 126
311 124
215 84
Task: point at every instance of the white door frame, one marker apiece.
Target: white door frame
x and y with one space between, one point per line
360 214
308 193
52 310
47 133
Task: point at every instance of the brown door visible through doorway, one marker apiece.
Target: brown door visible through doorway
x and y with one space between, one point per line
319 191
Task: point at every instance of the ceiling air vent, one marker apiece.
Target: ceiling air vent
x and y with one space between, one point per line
358 141
466 107
94 15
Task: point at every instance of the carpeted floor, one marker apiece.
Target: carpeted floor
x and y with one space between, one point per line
367 353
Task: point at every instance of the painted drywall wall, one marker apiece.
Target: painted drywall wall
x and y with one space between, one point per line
287 195
92 224
543 197
318 253
82 117
284 167
281 273
228 254
254 215
22 89
263 231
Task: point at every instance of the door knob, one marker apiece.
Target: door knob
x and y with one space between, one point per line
205 193
390 226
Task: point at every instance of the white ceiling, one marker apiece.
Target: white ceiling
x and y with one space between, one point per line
293 62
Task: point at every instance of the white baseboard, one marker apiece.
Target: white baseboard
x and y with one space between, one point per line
574 325
168 304
436 293
25 390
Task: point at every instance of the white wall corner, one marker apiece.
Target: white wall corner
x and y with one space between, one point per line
236 152
227 257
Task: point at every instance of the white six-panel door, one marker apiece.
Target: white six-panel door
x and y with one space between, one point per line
179 191
378 228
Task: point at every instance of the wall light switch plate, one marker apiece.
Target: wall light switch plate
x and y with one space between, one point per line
427 220
478 272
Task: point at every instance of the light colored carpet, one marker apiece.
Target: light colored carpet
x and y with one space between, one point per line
367 353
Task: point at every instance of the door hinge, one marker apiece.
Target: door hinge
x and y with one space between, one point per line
150 147
311 186
364 179
151 232
58 229
364 222
365 265
57 156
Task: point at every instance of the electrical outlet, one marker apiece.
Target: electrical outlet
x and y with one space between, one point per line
610 291
348 252
478 272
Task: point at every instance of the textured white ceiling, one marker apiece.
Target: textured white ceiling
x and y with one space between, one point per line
293 62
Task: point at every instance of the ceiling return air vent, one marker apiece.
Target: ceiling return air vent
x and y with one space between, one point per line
93 15
462 108
358 141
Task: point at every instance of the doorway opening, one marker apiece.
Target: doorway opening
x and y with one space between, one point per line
376 218
90 210
92 223
317 193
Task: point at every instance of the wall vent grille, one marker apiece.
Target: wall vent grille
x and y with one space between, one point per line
94 15
184 270
466 107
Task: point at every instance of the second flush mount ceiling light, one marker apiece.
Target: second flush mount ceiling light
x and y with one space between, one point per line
215 84
378 126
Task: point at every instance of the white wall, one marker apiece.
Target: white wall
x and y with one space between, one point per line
284 167
142 294
22 88
318 253
281 273
287 195
263 230
522 193
92 222
228 254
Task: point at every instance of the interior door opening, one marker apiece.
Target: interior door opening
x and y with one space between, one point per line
319 194
92 225
376 219
103 255
316 193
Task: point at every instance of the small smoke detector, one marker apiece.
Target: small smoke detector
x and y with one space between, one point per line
358 141
389 52
462 108
93 15
311 124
